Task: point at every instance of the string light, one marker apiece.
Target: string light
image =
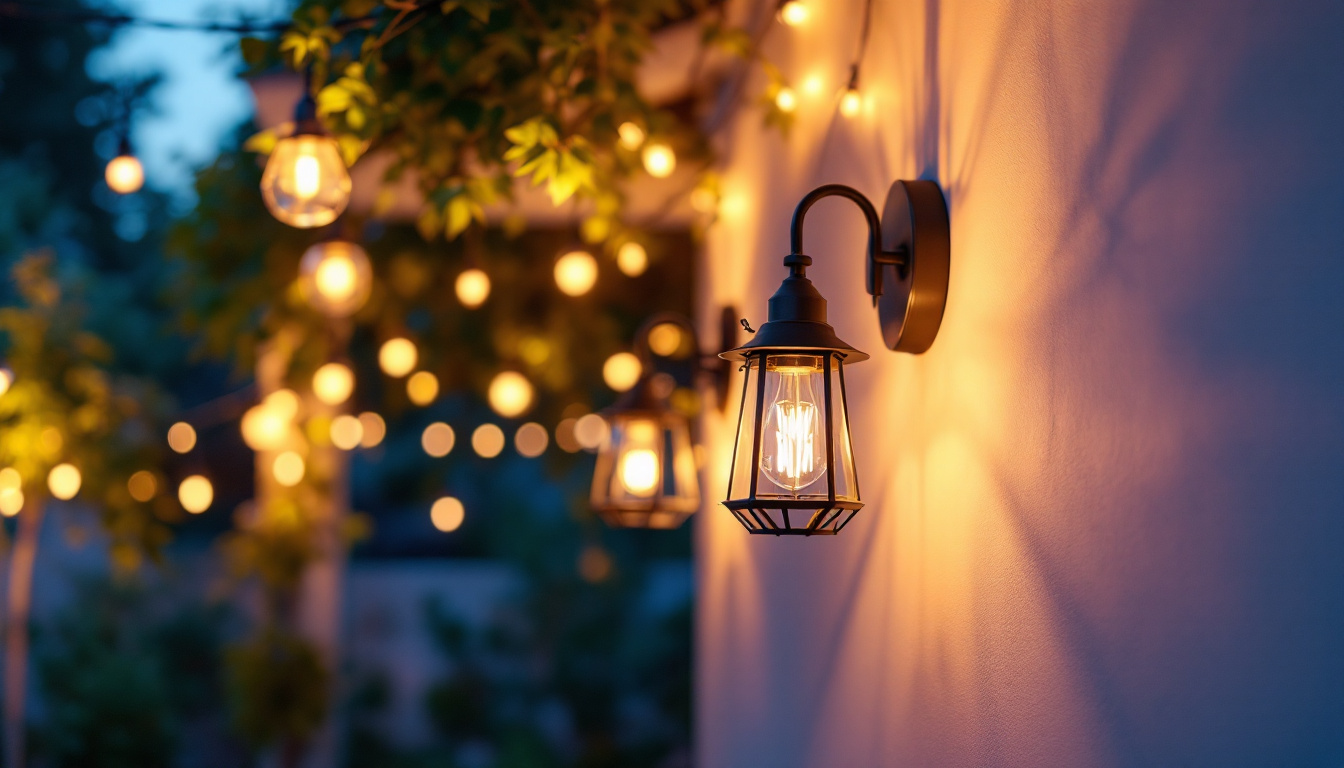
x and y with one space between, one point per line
851 103
447 514
336 277
575 273
64 481
786 99
124 174
472 287
346 432
632 259
422 387
510 394
659 160
793 13
306 183
631 136
195 494
181 437
438 439
487 441
333 383
397 357
530 440
621 371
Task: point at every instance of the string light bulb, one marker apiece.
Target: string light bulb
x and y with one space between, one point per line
793 13
786 100
333 383
336 277
472 287
631 135
397 357
575 273
632 259
659 160
124 174
196 493
447 514
851 103
306 183
64 480
510 394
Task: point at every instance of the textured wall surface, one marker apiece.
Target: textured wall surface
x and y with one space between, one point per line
1105 513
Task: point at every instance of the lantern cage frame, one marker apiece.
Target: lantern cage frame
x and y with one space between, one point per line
907 268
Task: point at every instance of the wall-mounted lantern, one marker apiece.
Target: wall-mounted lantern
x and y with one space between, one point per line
646 475
793 467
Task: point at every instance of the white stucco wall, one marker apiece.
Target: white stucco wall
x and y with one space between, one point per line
1105 513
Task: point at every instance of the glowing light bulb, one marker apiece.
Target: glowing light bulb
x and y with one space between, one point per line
397 357
346 432
473 288
422 387
639 471
793 13
851 103
632 259
447 514
181 437
575 273
63 481
124 174
336 277
659 160
792 444
305 183
333 383
621 371
631 136
288 469
786 99
510 394
196 494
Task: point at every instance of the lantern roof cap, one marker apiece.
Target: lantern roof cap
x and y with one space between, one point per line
796 321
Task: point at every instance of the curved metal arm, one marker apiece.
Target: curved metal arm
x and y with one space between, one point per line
798 262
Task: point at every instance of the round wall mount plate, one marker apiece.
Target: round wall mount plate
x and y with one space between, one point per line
910 309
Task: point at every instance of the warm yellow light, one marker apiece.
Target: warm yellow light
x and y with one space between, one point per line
487 441
564 436
422 387
576 273
851 103
11 501
333 383
786 99
181 437
621 371
265 427
794 13
510 394
51 440
639 471
142 485
792 449
659 160
10 479
447 514
473 288
63 481
632 136
283 402
590 431
397 357
336 277
438 439
288 469
195 494
6 379
305 183
813 85
124 174
632 259
346 432
531 440
375 429
704 200
665 339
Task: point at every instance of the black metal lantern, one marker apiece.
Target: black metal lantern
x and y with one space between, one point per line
646 475
793 470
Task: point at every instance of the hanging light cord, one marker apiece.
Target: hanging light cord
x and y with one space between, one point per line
865 31
35 12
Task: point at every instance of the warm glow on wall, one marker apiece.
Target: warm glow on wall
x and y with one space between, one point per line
374 429
397 357
438 439
346 432
181 437
333 383
659 160
142 485
124 174
575 273
531 440
472 287
195 494
447 514
422 387
288 469
63 481
487 441
631 136
621 371
510 394
632 259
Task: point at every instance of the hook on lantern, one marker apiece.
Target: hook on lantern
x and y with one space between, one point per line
793 470
646 474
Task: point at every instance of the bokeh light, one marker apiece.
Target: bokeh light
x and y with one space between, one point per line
621 371
142 485
306 183
590 431
576 273
472 287
6 379
510 394
632 259
11 501
531 440
346 432
422 387
794 13
594 564
265 428
631 135
333 383
447 514
195 493
438 439
665 339
397 357
851 103
487 441
786 99
375 429
564 436
659 160
10 479
64 480
336 277
182 437
124 174
288 469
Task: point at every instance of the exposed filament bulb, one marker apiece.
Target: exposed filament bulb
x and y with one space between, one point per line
791 455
